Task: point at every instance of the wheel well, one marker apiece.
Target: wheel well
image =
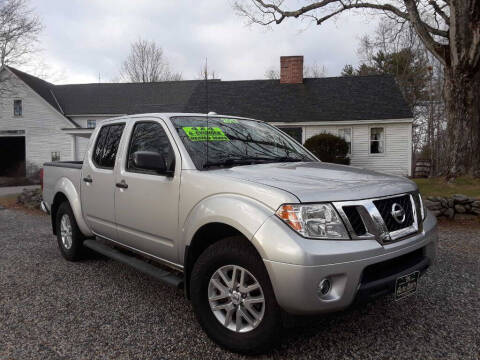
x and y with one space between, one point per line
57 200
204 237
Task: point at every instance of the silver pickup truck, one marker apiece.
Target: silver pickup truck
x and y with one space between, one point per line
246 219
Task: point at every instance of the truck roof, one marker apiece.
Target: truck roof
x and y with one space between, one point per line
169 115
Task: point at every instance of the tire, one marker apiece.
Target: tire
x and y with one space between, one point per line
71 248
221 256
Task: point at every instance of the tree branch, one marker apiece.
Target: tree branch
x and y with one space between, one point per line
439 11
438 50
295 13
273 9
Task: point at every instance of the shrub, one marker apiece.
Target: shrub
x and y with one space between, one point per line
329 148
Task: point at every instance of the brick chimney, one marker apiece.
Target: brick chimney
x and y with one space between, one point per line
291 69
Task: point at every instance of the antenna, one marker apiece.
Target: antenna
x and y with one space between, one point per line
206 84
206 94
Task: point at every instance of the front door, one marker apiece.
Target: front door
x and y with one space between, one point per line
146 206
98 181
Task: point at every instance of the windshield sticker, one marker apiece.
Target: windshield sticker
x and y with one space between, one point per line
200 133
230 121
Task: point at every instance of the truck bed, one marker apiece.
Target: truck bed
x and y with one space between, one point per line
66 171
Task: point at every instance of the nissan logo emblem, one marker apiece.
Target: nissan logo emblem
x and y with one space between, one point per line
398 213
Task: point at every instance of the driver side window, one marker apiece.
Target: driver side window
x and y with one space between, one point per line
150 136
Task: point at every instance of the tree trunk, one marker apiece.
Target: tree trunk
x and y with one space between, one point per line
462 99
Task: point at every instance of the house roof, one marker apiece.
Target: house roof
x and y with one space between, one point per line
320 99
41 87
125 98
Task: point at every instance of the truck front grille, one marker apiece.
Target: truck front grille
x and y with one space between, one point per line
355 220
384 206
379 218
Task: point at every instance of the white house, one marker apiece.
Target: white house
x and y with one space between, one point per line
41 122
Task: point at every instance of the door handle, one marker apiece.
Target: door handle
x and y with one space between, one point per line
122 185
88 179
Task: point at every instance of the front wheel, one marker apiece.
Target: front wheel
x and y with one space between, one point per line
233 298
69 237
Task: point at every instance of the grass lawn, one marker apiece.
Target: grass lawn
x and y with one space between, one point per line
439 187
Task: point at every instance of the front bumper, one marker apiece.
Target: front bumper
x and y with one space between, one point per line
353 267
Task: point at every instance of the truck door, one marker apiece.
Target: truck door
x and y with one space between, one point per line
146 203
98 181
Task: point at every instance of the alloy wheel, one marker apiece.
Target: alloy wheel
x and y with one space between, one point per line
236 298
66 231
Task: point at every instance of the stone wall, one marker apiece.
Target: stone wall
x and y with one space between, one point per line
30 198
457 204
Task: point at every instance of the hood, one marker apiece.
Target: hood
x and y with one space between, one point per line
319 181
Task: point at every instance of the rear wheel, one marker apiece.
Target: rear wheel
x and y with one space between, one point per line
69 237
233 298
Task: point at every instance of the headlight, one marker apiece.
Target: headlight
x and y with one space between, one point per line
318 221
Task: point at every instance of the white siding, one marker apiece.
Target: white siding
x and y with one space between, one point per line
397 157
82 147
41 123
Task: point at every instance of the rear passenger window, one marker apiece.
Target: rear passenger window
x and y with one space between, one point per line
106 147
150 136
100 145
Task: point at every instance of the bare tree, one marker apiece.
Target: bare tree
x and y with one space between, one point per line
19 30
272 74
309 71
431 129
205 73
314 71
147 63
450 30
37 67
396 50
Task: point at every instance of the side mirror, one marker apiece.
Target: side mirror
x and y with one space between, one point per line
149 160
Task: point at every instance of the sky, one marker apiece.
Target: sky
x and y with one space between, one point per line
86 39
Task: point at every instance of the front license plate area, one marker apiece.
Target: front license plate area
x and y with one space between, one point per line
406 285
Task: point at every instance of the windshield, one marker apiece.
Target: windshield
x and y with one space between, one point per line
231 142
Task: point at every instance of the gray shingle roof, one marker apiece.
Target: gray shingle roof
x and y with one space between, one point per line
125 98
320 99
323 99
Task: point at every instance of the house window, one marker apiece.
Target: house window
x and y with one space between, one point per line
55 155
294 132
17 107
377 140
346 134
91 124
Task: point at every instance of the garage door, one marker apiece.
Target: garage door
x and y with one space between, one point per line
12 156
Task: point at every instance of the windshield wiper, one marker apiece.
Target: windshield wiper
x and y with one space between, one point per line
283 159
230 162
250 161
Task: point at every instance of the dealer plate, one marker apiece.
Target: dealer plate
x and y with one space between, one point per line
406 285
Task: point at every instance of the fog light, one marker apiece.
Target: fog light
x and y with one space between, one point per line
324 287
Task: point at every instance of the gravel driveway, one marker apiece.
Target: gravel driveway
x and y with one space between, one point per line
100 309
